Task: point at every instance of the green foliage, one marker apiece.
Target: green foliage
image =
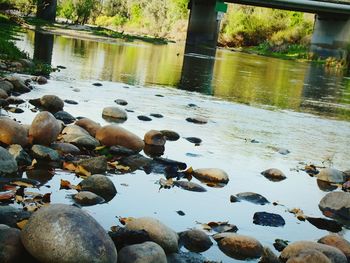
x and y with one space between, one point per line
66 9
27 7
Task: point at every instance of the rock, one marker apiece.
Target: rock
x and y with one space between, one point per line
144 118
99 184
114 113
87 198
197 120
135 162
41 152
18 84
3 104
211 175
41 80
268 219
14 109
121 102
326 224
280 244
44 129
89 125
65 148
170 135
6 86
97 84
187 257
268 256
63 233
122 237
80 137
15 100
190 186
195 240
156 115
147 252
11 248
51 103
153 150
283 151
309 256
336 205
121 151
94 165
27 63
72 102
21 156
65 117
8 164
274 175
239 246
154 137
326 186
195 140
10 216
338 242
11 132
253 198
113 135
158 232
3 94
296 248
331 175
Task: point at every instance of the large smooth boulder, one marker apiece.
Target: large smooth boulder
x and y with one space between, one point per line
6 86
11 132
114 113
310 256
89 125
100 185
211 175
331 175
336 205
239 246
195 240
78 136
11 248
65 148
18 83
8 164
337 241
147 252
44 129
114 135
95 165
296 248
158 232
51 103
62 233
41 152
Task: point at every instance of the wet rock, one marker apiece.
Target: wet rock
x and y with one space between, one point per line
8 164
41 152
197 120
6 86
27 63
11 132
72 102
19 84
97 84
309 255
147 252
190 186
80 137
280 244
3 104
187 257
15 100
211 175
63 233
122 237
21 156
154 137
3 94
268 256
326 186
283 151
195 240
153 150
239 246
325 224
14 110
113 135
336 205
87 198
65 148
99 184
156 115
94 165
40 79
331 175
11 248
170 135
121 102
42 174
121 151
338 242
296 248
114 113
165 166
89 125
274 175
194 140
51 103
64 116
44 129
135 162
10 216
158 232
144 118
253 198
268 219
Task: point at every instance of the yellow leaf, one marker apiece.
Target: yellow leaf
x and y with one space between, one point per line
69 166
81 170
23 184
22 223
117 166
189 170
100 147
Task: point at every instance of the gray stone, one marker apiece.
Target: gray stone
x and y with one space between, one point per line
195 240
21 156
337 241
80 137
63 233
64 116
3 94
114 113
197 120
211 175
100 185
158 232
268 256
331 175
190 186
8 164
65 148
19 84
274 175
15 100
41 80
6 86
11 132
41 152
95 165
336 205
51 103
87 198
253 198
170 135
11 248
44 129
10 216
147 252
187 257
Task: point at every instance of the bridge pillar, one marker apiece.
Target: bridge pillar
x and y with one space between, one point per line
331 36
46 9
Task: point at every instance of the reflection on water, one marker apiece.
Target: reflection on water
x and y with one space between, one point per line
43 46
233 76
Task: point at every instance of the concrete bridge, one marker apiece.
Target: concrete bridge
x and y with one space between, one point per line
331 35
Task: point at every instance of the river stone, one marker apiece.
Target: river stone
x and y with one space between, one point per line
114 135
296 248
89 125
79 136
211 175
253 198
64 116
65 148
153 150
187 257
21 156
337 241
41 152
8 164
309 256
3 104
10 216
122 237
51 103
18 84
274 175
195 240
87 198
190 186
239 246
114 113
268 219
44 129
170 135
144 118
63 233
99 184
331 175
40 79
15 100
94 165
6 86
147 252
158 232
3 94
154 137
197 120
268 256
336 204
121 102
11 132
11 248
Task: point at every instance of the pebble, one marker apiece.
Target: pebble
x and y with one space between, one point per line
8 164
144 118
268 219
87 198
195 240
274 175
154 137
147 252
197 120
336 205
170 135
211 175
41 152
100 185
114 114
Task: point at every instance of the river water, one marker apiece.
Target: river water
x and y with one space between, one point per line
278 104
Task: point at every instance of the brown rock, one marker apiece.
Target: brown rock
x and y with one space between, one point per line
211 175
44 129
337 241
3 94
11 132
154 137
52 103
89 125
310 256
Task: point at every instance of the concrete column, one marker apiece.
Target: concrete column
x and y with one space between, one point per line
331 36
46 9
203 25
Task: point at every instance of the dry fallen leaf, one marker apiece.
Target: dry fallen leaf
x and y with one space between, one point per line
22 184
69 166
117 166
125 220
6 196
22 223
82 171
298 213
34 162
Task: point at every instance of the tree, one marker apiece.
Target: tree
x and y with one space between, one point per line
46 9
